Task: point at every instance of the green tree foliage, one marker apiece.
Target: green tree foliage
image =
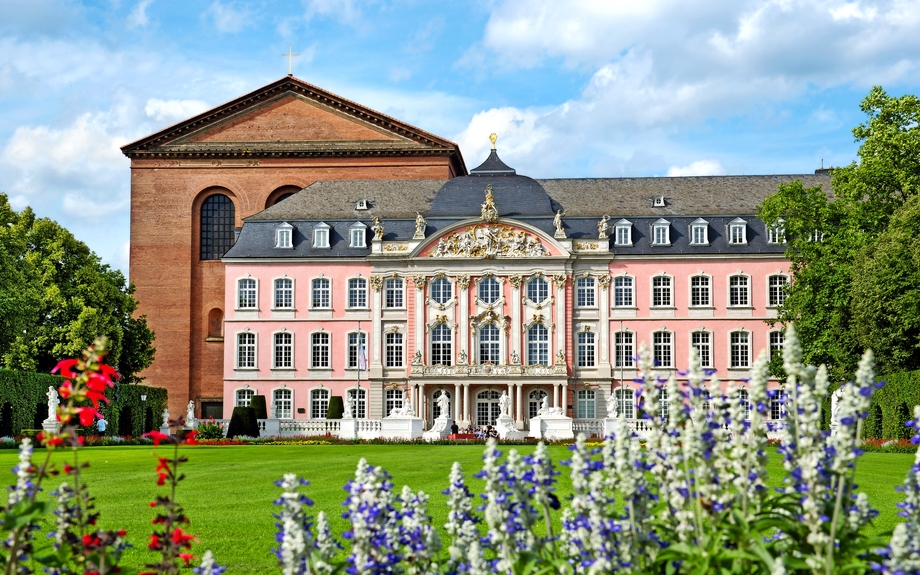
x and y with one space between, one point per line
56 297
831 236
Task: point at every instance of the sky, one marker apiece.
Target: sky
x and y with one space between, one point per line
573 89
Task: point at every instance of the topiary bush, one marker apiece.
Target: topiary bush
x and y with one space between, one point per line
336 407
243 422
258 403
874 423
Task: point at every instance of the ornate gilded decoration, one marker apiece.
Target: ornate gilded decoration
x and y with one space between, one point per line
490 242
377 228
441 275
559 280
560 357
420 282
603 228
516 280
440 319
585 245
603 281
419 227
463 281
492 138
488 212
395 248
557 223
537 318
490 370
376 282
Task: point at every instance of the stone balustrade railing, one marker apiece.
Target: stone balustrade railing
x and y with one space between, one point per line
488 370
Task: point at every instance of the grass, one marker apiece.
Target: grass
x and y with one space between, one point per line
229 490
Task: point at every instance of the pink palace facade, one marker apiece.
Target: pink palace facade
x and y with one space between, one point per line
495 282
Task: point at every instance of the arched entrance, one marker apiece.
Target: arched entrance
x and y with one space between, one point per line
487 408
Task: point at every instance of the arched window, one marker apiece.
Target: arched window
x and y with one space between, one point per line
283 403
441 290
537 290
218 218
244 396
489 291
489 347
216 324
538 345
534 400
359 401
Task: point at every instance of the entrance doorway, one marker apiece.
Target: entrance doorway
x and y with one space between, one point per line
487 408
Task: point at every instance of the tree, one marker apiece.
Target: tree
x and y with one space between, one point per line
826 232
62 298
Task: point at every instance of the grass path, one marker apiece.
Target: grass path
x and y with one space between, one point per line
229 490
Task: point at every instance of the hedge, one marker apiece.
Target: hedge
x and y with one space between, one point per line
891 406
24 405
258 403
336 408
243 422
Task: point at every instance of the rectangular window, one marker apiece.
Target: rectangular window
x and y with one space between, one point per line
247 294
357 236
357 293
319 350
740 349
354 343
584 292
777 342
700 291
393 293
394 400
284 293
699 234
624 235
321 238
702 341
586 404
244 397
538 345
586 349
246 350
319 403
777 290
441 345
284 350
778 405
623 292
359 401
321 293
627 401
283 237
393 343
661 291
489 344
661 235
739 291
776 234
737 234
662 342
624 349
282 403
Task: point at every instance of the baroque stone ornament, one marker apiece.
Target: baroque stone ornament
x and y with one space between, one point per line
560 357
377 228
516 280
559 280
420 282
396 248
557 223
489 242
603 281
419 227
376 282
603 228
463 281
488 212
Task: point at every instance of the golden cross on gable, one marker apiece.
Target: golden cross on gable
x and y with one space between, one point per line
290 56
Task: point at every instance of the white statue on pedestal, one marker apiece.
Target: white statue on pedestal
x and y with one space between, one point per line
349 407
190 411
835 409
504 403
613 406
53 402
544 406
444 405
165 417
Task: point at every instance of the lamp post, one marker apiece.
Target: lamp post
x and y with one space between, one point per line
143 412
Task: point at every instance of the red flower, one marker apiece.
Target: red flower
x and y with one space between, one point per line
109 371
156 436
186 557
68 469
161 478
87 415
190 437
66 389
155 542
163 465
121 532
180 538
64 367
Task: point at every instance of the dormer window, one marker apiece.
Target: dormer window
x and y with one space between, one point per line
737 231
623 235
357 234
699 232
776 234
661 233
283 236
321 236
658 202
361 205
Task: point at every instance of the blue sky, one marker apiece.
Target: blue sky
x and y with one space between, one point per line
574 89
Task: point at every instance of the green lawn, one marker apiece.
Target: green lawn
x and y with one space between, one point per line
229 490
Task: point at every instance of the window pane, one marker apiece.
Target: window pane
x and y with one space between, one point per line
740 349
217 227
700 290
701 341
537 290
777 290
738 291
623 292
321 293
661 291
319 350
284 350
394 349
357 293
246 350
393 293
584 292
489 344
247 294
585 349
489 291
538 345
624 351
441 290
284 293
662 348
441 345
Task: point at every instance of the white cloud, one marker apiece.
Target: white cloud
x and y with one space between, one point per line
518 134
138 17
168 112
228 18
346 11
698 168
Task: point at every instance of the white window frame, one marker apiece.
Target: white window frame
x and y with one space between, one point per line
392 400
669 291
394 353
585 404
747 291
255 349
316 349
661 233
284 237
702 226
535 347
275 293
357 235
438 295
780 293
659 202
664 404
237 402
255 292
623 233
321 233
737 232
708 289
707 360
488 280
670 348
533 282
743 349
630 291
274 405
447 343
275 349
586 351
628 351
585 286
479 343
313 292
776 234
778 406
354 290
394 286
359 403
319 407
774 345
354 349
626 396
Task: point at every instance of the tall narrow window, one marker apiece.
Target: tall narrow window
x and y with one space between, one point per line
284 293
283 403
441 345
737 231
359 402
586 404
661 291
584 292
320 298
357 293
624 349
700 291
393 293
624 233
537 290
538 345
356 350
393 401
441 290
664 404
627 399
321 236
489 344
319 403
777 290
740 349
357 234
662 348
778 405
776 234
702 341
661 233
284 350
246 350
745 400
319 350
699 232
586 349
393 344
284 236
246 290
244 397
777 343
623 291
218 219
489 291
739 291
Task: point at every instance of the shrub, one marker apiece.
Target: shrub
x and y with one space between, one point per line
243 422
209 429
873 427
258 403
902 416
336 407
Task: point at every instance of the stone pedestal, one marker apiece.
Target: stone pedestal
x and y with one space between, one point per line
608 426
164 429
401 427
51 426
348 429
440 429
551 427
506 430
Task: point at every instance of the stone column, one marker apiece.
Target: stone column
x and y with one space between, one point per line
420 281
519 417
421 412
455 404
463 321
515 281
560 320
466 403
603 328
555 395
565 399
375 337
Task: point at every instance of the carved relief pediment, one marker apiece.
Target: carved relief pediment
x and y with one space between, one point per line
489 242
